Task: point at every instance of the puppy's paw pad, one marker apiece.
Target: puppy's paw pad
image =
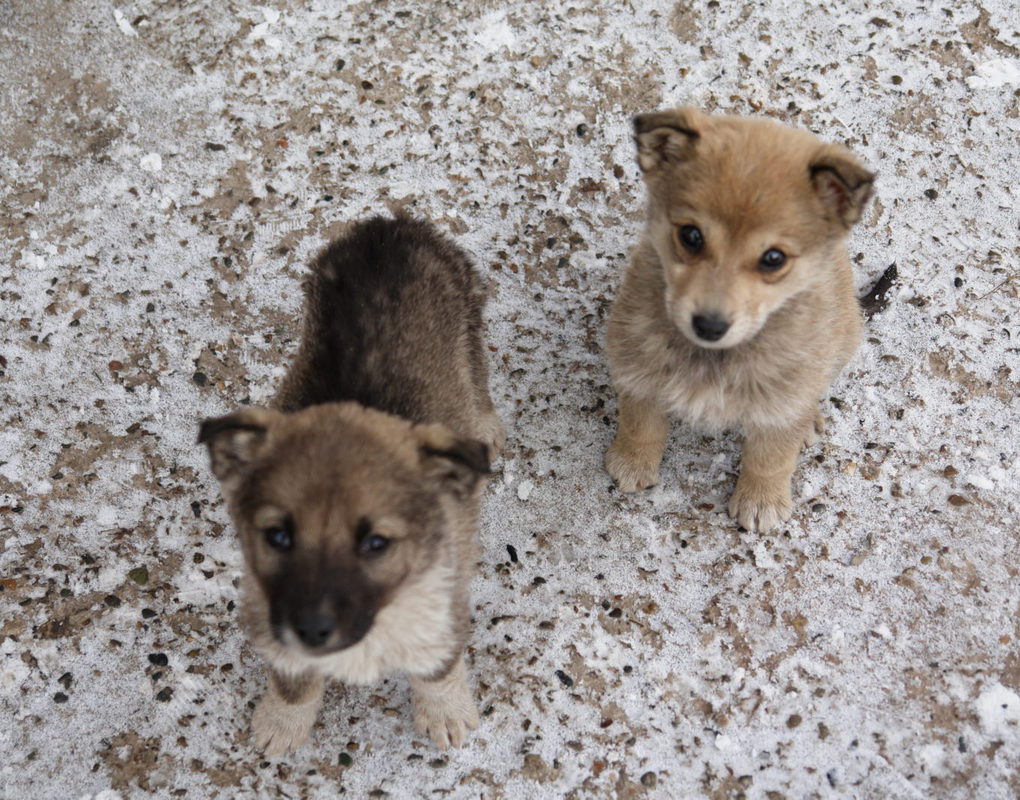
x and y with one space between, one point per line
446 719
633 470
278 728
759 506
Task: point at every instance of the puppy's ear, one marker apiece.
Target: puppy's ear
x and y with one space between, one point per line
841 182
235 440
456 463
664 137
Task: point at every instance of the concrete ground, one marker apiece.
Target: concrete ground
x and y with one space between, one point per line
168 170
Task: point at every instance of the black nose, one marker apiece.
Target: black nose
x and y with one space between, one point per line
710 327
314 628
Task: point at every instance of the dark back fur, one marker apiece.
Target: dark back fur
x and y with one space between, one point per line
393 321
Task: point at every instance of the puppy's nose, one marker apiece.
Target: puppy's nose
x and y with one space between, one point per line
710 327
314 628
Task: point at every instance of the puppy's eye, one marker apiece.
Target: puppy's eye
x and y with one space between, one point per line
771 260
279 538
373 545
690 238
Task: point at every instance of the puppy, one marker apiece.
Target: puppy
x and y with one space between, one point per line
356 497
738 308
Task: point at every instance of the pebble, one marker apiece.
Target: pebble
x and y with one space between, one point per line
60 697
165 694
158 659
565 679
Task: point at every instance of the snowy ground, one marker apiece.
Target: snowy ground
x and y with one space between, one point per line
169 168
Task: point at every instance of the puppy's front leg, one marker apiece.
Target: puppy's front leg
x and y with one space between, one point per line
284 716
444 709
762 498
634 457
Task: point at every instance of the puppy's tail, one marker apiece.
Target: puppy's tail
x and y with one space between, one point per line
877 297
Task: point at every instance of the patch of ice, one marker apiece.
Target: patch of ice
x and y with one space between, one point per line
933 756
123 24
153 162
980 482
995 73
524 489
495 33
998 709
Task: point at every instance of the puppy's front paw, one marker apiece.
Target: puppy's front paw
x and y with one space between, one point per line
493 434
760 505
278 727
633 469
814 430
447 716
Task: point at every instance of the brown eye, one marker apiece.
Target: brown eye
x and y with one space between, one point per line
771 260
690 238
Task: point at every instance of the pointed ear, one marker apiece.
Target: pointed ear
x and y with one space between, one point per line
235 440
664 137
457 464
842 183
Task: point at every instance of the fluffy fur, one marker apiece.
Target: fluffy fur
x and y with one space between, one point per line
747 187
356 498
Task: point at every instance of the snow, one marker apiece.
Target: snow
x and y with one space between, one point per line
868 649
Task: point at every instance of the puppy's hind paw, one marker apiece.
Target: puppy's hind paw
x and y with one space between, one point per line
760 505
278 727
633 470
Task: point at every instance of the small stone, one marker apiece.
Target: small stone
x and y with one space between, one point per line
60 697
200 379
565 679
340 64
139 575
112 601
215 147
897 80
793 720
65 680
165 694
158 659
512 551
958 500
957 282
148 613
931 194
196 508
649 779
344 759
582 129
818 507
150 307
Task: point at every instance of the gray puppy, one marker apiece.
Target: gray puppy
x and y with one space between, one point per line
356 498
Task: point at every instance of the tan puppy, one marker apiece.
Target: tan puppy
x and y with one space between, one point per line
356 500
738 308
